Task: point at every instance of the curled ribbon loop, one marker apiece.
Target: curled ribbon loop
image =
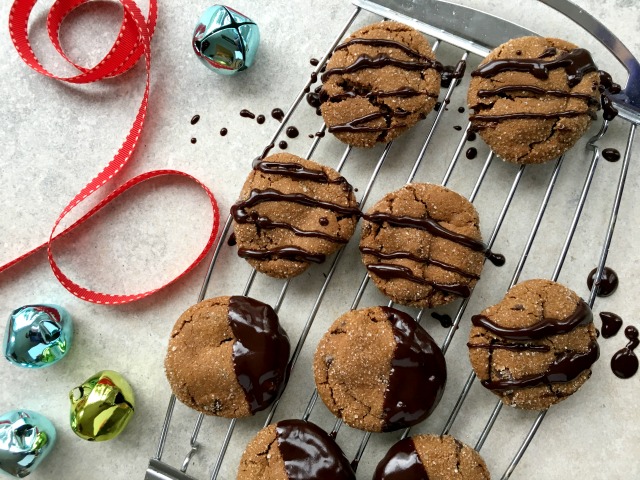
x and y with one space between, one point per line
133 42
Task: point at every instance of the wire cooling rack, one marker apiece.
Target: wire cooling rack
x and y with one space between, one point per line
458 34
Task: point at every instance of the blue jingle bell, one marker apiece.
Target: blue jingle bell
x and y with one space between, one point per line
37 335
26 438
225 40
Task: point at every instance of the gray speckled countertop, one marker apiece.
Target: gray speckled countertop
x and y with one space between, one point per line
55 137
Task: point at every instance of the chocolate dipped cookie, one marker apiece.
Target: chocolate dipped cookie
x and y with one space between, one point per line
433 457
292 212
293 450
227 356
422 245
533 98
379 370
536 347
378 83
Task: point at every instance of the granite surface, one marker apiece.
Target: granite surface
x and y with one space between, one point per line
56 137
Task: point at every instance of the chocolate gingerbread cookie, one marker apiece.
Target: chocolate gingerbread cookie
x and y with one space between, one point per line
293 450
379 83
379 370
227 356
422 245
431 457
535 347
291 213
533 98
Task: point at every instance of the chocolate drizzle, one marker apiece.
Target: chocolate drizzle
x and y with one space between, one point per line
277 114
401 462
417 361
381 42
389 271
566 367
415 258
380 61
546 326
286 253
611 324
526 115
271 195
309 452
471 153
576 63
260 351
516 347
537 90
356 125
298 171
195 119
247 114
445 320
611 154
435 229
625 363
607 284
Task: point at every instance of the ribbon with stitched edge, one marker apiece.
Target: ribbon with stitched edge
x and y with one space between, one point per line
132 43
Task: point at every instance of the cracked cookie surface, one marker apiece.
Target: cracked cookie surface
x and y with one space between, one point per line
378 83
536 346
293 450
553 112
227 356
292 212
378 370
416 266
434 457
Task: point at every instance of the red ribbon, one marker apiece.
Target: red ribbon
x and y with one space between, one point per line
133 41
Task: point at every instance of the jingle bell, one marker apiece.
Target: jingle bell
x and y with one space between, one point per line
225 40
101 407
37 335
26 438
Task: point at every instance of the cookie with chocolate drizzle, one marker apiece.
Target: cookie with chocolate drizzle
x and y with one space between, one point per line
227 356
378 83
291 213
379 370
536 347
433 457
422 245
533 98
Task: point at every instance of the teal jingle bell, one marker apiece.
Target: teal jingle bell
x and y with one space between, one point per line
37 335
225 40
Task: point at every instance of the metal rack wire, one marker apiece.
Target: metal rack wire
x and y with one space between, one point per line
159 470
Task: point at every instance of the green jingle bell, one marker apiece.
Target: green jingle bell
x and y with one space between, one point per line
101 407
225 40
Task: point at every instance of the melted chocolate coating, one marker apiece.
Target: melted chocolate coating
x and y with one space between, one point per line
471 153
611 324
624 363
418 374
195 119
611 154
271 195
309 453
451 72
365 61
381 42
566 367
410 256
289 253
525 115
297 171
516 347
277 114
388 271
576 63
401 462
445 320
260 352
546 326
247 114
355 125
434 228
537 90
608 282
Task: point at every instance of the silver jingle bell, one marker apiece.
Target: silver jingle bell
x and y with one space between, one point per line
225 40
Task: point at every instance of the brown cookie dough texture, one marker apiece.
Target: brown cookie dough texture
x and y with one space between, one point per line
321 231
433 457
293 449
532 140
379 103
202 366
356 368
435 262
503 362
